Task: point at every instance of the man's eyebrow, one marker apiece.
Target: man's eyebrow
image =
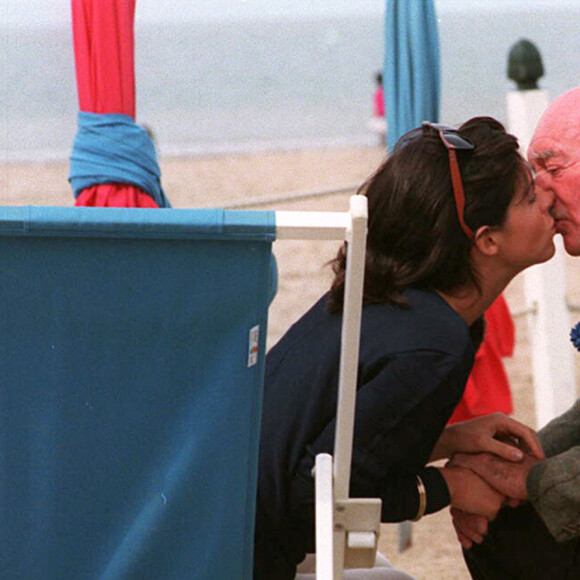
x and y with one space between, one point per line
545 154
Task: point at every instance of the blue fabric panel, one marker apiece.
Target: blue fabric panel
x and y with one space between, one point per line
411 68
129 415
112 148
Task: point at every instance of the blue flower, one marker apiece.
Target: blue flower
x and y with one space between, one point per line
575 336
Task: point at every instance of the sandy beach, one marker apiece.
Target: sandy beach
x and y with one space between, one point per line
221 180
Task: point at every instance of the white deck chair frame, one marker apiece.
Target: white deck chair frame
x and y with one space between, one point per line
347 529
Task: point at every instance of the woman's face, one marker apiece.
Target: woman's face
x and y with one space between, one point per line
528 231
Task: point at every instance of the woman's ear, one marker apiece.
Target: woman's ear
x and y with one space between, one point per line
486 240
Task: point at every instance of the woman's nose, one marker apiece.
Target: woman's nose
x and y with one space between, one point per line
547 197
542 179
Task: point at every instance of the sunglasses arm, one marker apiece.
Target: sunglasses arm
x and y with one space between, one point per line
458 192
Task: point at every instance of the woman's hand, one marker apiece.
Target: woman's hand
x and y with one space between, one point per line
496 433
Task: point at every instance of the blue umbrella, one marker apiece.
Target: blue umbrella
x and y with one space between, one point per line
411 66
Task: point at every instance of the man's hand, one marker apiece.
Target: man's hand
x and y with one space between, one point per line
496 433
507 477
470 493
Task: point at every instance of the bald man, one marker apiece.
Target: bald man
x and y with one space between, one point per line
540 539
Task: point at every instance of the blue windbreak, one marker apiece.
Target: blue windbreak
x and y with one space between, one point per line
112 148
131 376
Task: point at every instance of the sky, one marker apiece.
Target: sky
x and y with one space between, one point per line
36 12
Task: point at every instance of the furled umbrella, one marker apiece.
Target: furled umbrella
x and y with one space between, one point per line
411 67
113 160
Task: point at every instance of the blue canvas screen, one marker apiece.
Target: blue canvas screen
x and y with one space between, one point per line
131 372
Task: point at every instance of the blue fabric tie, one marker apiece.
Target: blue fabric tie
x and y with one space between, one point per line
112 148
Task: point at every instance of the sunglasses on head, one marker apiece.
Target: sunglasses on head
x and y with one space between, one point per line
454 141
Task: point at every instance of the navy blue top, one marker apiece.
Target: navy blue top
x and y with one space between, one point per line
414 363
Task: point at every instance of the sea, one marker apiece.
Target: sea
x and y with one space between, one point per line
213 87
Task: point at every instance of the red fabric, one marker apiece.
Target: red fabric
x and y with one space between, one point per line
488 389
114 195
105 55
104 44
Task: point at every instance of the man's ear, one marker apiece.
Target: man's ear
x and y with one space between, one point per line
486 241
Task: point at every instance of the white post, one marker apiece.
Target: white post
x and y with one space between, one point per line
524 109
549 325
545 290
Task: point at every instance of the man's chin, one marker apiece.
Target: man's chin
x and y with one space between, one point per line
572 243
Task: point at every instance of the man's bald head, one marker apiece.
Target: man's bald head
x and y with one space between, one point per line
561 119
554 153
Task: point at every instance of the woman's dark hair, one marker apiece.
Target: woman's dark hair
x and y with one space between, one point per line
414 237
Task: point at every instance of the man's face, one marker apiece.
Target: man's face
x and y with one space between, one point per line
556 162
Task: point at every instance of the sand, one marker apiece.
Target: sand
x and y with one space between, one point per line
221 180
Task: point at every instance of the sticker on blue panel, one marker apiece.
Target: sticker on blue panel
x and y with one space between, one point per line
253 346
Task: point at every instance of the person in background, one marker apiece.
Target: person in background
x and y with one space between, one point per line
453 217
378 122
379 97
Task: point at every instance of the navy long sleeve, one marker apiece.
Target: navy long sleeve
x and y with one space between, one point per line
414 363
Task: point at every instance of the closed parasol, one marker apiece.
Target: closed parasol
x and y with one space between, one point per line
411 72
113 161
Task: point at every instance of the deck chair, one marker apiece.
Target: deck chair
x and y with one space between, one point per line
347 529
131 375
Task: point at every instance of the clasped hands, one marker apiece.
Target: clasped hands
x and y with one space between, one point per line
490 458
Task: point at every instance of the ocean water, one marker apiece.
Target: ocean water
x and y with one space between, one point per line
212 87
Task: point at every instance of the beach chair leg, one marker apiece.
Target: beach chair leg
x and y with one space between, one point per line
405 536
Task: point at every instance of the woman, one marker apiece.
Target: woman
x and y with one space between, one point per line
444 240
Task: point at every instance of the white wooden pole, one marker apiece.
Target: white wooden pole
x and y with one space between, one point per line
324 506
350 343
349 352
545 290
